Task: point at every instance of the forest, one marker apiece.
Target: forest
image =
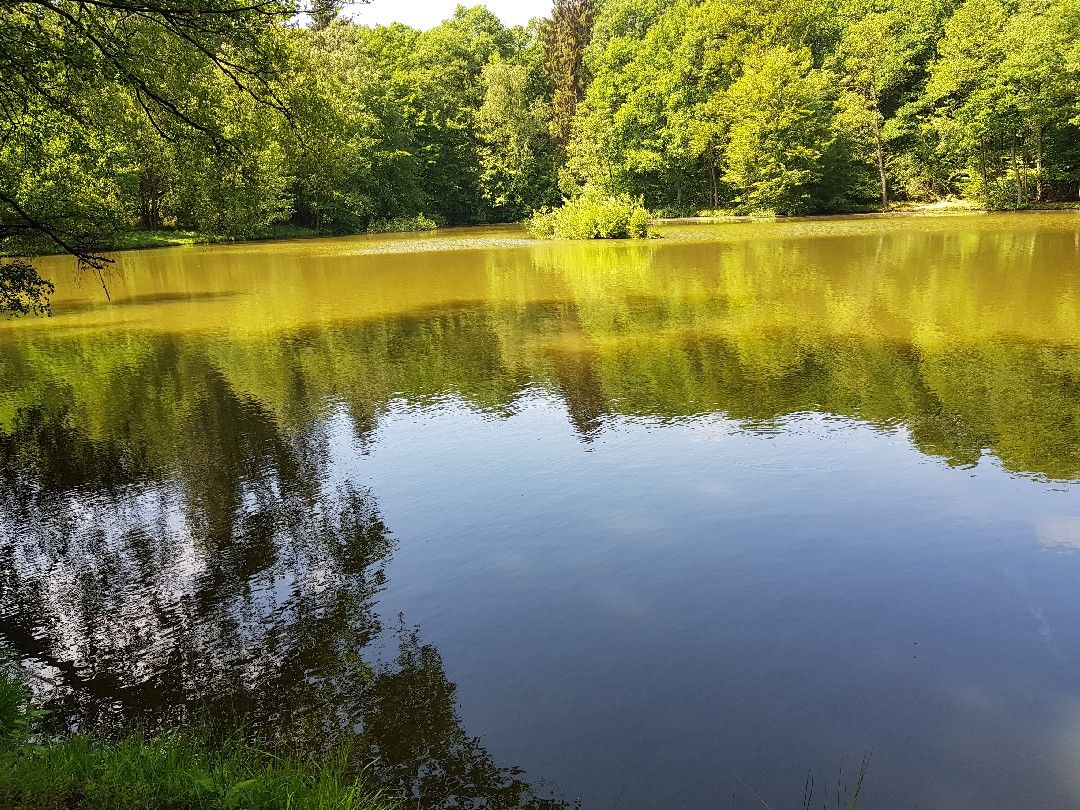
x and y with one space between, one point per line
241 119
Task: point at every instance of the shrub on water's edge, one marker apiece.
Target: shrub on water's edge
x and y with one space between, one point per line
639 221
403 224
593 216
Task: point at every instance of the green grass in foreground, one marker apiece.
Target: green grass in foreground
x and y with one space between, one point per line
173 771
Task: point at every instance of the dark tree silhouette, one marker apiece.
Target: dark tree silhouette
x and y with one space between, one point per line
565 36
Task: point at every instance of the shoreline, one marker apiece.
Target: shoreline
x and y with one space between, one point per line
169 238
923 210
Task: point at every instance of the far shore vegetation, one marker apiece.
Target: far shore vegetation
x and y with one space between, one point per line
542 224
137 238
139 121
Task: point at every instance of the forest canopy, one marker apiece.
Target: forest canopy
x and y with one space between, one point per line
235 117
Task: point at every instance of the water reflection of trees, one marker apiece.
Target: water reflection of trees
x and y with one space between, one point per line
198 562
962 330
1004 382
1016 397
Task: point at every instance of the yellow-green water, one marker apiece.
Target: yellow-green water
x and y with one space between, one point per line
670 515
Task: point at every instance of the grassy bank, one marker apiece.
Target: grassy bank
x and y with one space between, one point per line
175 770
171 237
587 224
138 239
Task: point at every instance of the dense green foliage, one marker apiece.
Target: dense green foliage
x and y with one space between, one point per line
228 118
565 35
593 216
176 770
824 106
355 127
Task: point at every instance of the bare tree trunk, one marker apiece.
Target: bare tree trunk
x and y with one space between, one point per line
881 160
1038 164
714 194
985 169
1016 174
151 192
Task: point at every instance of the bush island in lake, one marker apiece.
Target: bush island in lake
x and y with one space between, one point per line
594 216
420 222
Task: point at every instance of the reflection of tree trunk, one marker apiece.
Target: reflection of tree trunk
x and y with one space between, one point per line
583 391
1016 175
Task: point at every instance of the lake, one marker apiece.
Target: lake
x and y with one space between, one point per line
645 524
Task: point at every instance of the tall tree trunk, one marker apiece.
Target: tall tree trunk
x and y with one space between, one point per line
1038 164
714 197
1016 174
151 192
881 160
985 169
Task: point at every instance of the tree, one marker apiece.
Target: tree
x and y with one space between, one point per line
565 36
976 112
881 49
61 59
1041 82
778 130
435 84
653 121
343 144
324 12
516 152
22 290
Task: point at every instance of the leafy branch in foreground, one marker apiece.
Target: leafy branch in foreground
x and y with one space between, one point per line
75 74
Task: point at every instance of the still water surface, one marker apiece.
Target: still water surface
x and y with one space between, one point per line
640 524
